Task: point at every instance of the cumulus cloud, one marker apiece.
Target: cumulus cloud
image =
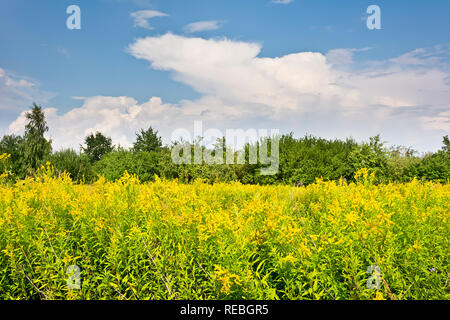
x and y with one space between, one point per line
299 82
202 26
117 117
141 18
304 92
342 56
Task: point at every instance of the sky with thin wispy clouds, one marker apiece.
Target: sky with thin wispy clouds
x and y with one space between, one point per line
301 66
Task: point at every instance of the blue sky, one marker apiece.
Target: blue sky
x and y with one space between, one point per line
96 61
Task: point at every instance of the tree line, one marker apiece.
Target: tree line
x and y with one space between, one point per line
301 160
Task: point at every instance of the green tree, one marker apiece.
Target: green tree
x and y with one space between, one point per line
147 140
14 145
36 147
143 164
433 166
78 166
446 146
371 155
97 145
304 159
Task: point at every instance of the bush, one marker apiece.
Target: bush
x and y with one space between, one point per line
399 160
370 155
433 167
77 165
14 146
113 165
305 159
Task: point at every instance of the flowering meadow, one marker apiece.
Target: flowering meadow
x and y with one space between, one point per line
167 240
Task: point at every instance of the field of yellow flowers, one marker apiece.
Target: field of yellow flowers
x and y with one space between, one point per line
166 240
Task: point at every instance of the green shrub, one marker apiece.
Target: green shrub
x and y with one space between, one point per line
113 165
14 145
433 167
77 165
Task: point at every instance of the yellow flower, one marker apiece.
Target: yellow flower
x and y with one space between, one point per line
226 279
416 245
379 296
289 258
351 218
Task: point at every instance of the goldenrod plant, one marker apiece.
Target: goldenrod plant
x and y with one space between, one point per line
167 240
5 167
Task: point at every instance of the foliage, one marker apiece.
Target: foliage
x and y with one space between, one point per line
370 155
399 162
147 140
36 146
305 159
143 164
446 146
14 146
78 166
166 240
301 160
433 167
97 145
208 173
5 166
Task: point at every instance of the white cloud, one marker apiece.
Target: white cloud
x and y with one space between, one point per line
18 92
202 26
424 57
342 56
141 17
8 81
114 116
117 117
439 122
300 82
307 85
305 92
